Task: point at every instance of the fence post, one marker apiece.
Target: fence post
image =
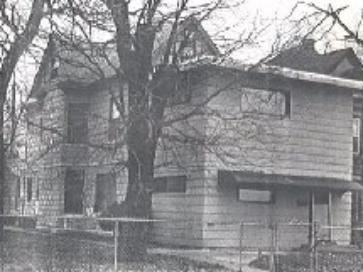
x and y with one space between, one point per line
116 246
312 246
272 246
276 246
240 246
316 232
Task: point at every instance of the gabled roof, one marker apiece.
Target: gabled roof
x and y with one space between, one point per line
304 57
85 63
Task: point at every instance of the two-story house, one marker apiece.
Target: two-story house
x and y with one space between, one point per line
264 144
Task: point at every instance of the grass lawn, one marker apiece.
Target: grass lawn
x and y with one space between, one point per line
35 251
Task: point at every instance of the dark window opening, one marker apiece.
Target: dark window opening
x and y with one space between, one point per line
37 190
170 184
114 119
287 104
77 122
29 189
41 129
183 91
105 192
17 194
73 191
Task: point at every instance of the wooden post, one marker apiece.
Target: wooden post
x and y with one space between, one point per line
116 246
276 246
311 229
330 219
316 231
311 218
272 248
240 246
312 249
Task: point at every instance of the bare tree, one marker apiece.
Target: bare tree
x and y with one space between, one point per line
15 39
149 122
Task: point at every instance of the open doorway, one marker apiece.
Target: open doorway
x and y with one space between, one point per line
73 191
105 192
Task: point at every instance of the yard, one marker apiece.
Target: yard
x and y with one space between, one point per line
35 251
332 259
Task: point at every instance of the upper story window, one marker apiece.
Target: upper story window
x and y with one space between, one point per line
77 122
356 135
183 91
114 118
170 184
29 191
115 108
268 102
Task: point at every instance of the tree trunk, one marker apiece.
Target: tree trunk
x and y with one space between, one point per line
2 168
134 236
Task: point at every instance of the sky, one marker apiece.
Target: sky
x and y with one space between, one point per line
266 18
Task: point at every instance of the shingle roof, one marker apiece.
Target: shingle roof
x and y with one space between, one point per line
305 57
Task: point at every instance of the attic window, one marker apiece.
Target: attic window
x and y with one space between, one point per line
267 102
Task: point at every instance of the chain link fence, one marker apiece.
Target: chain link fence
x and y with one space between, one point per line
300 247
68 245
80 244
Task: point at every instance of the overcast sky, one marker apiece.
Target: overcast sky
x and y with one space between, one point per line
257 14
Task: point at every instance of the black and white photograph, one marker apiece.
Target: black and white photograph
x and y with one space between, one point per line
181 135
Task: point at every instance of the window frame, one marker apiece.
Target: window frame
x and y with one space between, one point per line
71 139
163 184
29 189
113 122
256 188
287 103
183 83
357 120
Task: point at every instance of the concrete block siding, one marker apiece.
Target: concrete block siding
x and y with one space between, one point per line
314 140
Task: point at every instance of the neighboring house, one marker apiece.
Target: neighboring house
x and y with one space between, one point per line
273 144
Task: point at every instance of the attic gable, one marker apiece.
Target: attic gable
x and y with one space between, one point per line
85 63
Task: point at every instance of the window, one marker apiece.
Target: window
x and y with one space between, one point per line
41 133
114 118
29 189
183 91
17 195
115 108
37 190
77 127
73 191
170 184
269 102
255 195
356 136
